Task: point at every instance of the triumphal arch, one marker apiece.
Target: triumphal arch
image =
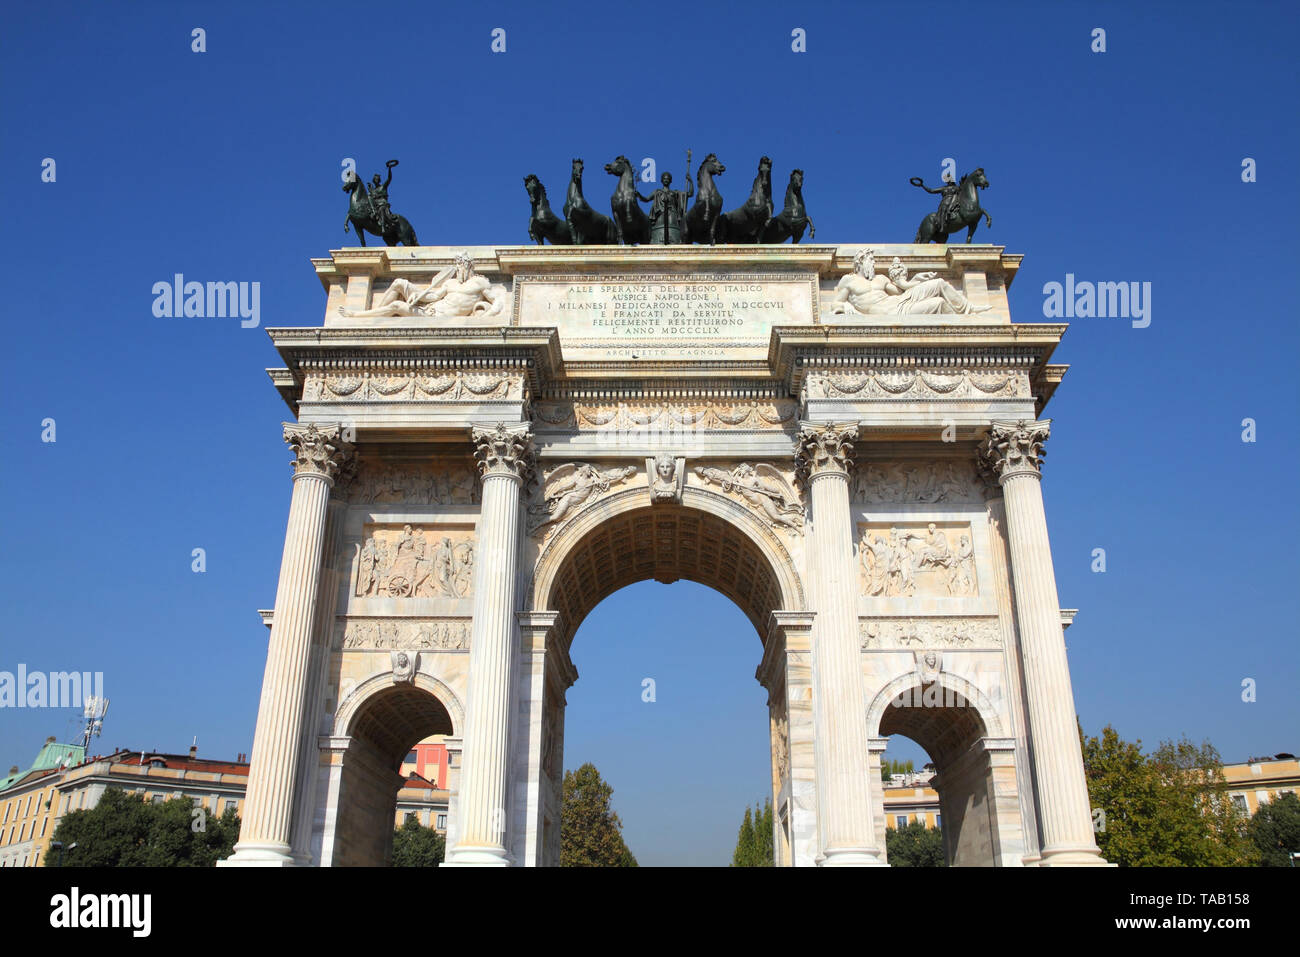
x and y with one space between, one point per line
845 440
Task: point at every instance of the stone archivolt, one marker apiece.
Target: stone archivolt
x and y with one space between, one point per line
665 542
404 564
916 482
888 633
434 634
910 384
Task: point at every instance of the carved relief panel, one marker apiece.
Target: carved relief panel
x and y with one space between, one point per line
408 562
905 559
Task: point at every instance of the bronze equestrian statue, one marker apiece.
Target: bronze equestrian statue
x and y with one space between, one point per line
791 221
960 207
543 224
369 212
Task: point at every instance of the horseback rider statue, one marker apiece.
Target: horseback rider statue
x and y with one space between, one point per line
379 198
949 193
668 209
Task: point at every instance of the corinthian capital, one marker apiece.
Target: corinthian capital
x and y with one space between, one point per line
1014 448
320 450
824 448
504 450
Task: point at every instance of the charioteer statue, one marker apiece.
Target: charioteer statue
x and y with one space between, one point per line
668 209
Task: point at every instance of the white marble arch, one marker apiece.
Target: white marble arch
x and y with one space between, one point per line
547 671
556 552
354 828
975 777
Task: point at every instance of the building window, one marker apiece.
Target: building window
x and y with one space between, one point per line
1239 802
156 798
22 831
411 758
442 822
938 820
900 820
44 823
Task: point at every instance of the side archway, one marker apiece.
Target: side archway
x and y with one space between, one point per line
961 729
374 728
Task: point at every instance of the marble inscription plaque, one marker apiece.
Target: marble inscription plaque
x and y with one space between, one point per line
703 316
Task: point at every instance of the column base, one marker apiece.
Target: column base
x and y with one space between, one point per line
850 857
1073 857
479 857
260 855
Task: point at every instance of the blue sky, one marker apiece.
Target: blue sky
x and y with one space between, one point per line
224 165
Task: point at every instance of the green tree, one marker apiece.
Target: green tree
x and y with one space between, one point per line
415 845
590 831
888 767
1166 810
123 830
745 849
914 845
1275 830
754 843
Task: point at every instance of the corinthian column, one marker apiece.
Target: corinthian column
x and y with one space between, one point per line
844 807
265 831
505 460
1013 453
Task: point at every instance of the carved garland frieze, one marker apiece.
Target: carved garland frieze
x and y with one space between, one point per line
392 634
451 386
917 384
699 416
892 633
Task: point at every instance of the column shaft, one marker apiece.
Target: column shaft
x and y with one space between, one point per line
505 460
1013 452
265 830
839 707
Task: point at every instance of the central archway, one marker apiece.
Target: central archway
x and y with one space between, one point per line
708 538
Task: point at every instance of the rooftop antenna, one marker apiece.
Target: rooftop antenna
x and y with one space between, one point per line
94 711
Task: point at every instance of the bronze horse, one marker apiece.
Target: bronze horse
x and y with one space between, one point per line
586 226
362 216
702 220
790 222
631 225
745 224
966 212
543 224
